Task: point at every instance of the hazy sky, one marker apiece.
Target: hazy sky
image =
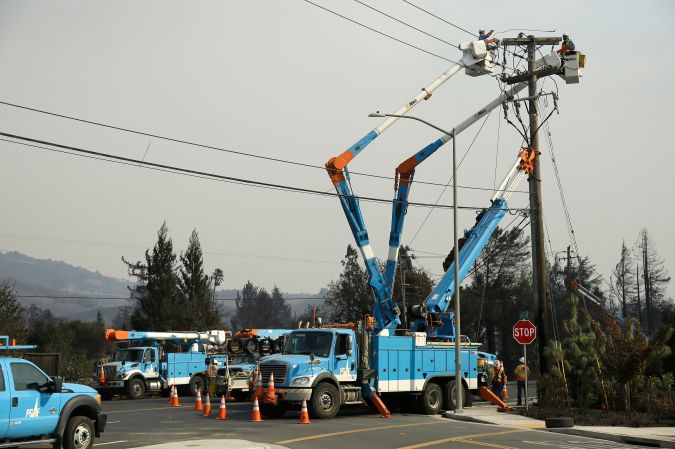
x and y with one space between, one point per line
288 80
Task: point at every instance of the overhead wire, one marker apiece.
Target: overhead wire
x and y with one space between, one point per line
81 152
224 150
450 180
440 18
127 297
405 23
381 33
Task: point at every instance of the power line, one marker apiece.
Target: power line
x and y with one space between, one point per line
196 173
122 245
448 183
126 297
381 33
440 18
224 150
406 24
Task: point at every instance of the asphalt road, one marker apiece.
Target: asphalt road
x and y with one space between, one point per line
152 421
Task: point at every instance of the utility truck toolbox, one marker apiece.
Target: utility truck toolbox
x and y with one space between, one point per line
36 408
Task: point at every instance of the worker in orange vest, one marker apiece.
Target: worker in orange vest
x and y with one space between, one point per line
498 379
522 372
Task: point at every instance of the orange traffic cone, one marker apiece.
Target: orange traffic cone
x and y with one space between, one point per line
259 386
198 403
505 393
304 416
171 393
271 396
222 412
175 402
207 407
255 414
101 377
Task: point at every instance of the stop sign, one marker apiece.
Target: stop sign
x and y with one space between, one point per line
524 332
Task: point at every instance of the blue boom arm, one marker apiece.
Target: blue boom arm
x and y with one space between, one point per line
385 309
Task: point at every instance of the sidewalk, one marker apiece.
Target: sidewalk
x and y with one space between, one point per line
651 436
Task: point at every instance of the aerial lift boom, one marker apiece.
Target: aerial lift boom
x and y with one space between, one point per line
477 60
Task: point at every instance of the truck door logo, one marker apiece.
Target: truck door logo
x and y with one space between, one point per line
33 412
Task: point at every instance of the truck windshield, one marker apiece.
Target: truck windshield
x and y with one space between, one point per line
129 355
317 343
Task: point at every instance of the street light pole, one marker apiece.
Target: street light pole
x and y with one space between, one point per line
458 335
458 342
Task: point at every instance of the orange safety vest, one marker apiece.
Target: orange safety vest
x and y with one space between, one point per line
499 375
521 370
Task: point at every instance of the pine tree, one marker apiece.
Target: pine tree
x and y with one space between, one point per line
199 311
349 298
256 308
418 283
12 315
499 288
155 297
581 359
655 278
622 285
280 311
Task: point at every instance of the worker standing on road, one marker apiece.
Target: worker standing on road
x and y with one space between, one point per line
522 372
498 379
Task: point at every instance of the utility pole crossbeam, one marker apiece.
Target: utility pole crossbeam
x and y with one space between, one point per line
536 211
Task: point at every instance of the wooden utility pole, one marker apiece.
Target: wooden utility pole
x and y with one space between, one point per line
536 211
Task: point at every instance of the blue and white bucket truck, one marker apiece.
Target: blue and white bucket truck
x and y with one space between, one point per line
154 361
244 351
344 364
38 409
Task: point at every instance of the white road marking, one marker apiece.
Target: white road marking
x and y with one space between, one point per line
112 442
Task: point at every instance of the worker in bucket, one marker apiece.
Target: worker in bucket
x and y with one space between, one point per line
522 372
482 35
567 46
498 379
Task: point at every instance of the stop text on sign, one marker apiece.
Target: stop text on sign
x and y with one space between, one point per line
524 332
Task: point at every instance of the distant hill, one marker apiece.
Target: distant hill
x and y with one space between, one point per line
53 278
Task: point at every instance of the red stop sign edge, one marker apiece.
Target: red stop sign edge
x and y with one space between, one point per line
525 324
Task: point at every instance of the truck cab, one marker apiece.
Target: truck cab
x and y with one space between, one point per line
37 408
128 363
318 365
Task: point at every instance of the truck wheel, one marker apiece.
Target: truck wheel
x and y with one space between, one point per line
79 433
135 388
196 384
432 399
325 401
449 396
273 411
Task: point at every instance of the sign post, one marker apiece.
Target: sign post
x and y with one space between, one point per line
524 332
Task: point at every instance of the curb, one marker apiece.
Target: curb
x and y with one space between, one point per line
612 437
466 418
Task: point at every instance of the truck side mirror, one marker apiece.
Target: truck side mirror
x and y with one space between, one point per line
349 345
56 384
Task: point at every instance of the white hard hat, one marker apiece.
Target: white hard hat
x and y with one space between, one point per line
521 360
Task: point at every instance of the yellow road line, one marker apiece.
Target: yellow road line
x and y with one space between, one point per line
346 432
460 438
531 426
